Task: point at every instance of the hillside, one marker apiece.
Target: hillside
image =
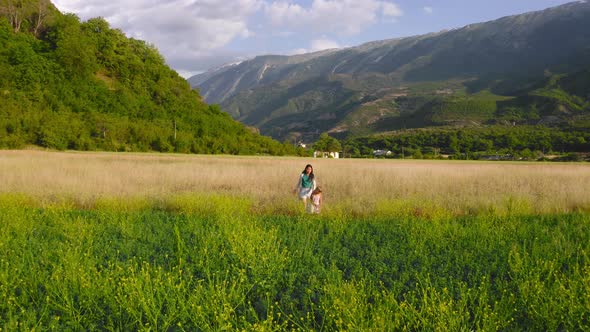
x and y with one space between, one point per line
66 84
479 74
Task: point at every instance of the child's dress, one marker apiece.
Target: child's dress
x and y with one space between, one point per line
316 200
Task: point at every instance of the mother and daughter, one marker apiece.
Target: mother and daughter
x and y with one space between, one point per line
308 191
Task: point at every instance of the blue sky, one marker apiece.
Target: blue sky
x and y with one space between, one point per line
196 35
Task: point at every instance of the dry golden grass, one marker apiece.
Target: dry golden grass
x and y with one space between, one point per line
357 185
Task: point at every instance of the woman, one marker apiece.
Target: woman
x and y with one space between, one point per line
306 184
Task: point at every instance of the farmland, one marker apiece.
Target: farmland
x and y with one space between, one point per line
174 242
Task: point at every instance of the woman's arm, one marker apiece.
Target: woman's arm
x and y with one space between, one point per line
298 185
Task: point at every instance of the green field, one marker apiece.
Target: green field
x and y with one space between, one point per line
216 262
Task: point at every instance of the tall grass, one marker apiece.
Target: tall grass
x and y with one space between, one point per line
359 186
191 243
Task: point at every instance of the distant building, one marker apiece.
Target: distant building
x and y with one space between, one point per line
381 153
324 154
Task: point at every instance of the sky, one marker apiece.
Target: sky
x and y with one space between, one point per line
197 35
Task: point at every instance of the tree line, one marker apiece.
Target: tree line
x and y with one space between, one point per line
511 142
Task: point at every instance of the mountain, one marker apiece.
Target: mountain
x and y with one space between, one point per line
470 76
220 83
66 84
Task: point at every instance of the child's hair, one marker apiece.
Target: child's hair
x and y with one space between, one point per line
316 191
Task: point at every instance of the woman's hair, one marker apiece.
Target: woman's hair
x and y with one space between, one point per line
311 176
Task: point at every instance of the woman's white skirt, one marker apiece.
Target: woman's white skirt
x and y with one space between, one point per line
305 193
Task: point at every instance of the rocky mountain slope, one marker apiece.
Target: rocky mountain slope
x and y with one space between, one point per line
462 77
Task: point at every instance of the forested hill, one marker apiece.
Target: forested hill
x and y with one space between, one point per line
67 84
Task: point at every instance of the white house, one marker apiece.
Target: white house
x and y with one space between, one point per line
322 154
381 153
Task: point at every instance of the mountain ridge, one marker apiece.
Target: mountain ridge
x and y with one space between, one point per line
492 55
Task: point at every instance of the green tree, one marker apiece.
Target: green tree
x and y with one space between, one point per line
454 144
327 143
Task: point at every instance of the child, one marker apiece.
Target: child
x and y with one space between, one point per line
315 201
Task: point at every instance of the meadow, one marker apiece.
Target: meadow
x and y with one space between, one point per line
105 241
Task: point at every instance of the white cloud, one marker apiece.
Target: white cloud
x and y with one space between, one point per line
284 12
181 29
428 10
323 44
297 51
348 17
391 9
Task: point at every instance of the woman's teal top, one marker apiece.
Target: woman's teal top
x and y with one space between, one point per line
306 182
